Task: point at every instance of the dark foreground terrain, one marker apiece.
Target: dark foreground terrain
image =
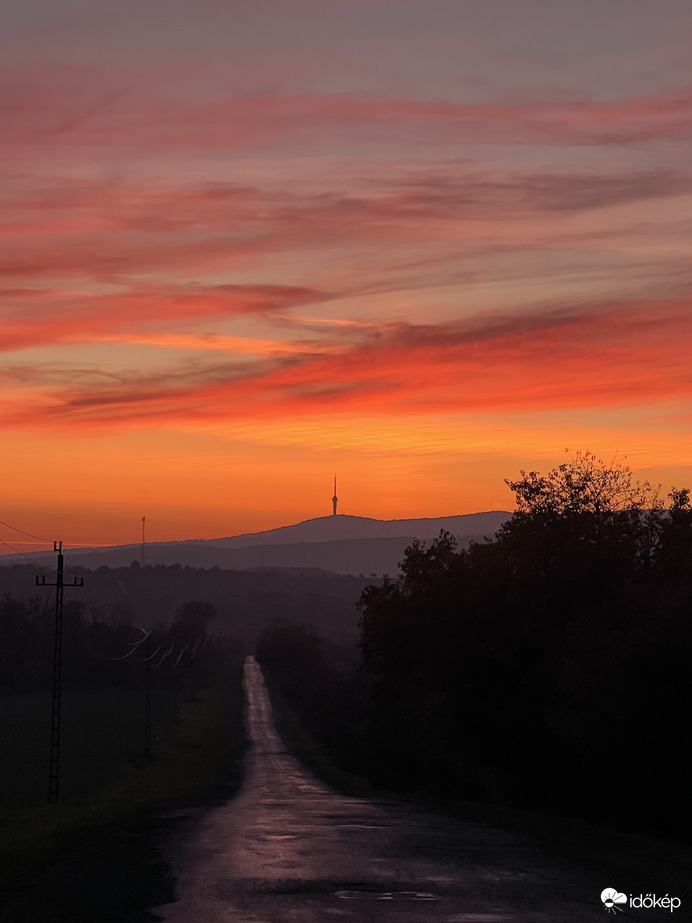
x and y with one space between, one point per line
289 848
100 861
174 843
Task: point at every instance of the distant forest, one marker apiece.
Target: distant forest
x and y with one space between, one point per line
137 643
549 668
105 618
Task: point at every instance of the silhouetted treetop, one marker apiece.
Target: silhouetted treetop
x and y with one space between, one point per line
423 563
194 617
585 515
585 484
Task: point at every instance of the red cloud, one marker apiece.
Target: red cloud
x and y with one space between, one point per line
118 121
553 361
119 233
55 318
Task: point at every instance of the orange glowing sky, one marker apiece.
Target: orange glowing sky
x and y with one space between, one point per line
419 243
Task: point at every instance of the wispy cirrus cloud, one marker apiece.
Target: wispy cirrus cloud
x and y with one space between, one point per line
121 233
120 120
59 317
495 195
569 358
65 208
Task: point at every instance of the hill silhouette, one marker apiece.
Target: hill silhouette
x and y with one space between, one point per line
340 544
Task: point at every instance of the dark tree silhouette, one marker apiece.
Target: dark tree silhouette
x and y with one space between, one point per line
497 670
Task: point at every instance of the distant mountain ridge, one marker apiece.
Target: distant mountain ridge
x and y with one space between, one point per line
333 528
341 544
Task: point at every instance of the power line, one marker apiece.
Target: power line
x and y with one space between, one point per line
11 547
166 654
16 551
94 601
14 573
22 554
28 534
150 656
134 645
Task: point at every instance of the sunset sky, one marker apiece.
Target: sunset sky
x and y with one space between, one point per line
419 243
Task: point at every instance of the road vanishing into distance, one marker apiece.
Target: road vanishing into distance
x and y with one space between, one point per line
288 848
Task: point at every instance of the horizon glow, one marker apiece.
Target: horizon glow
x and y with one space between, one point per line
245 247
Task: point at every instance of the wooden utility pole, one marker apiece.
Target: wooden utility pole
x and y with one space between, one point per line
54 767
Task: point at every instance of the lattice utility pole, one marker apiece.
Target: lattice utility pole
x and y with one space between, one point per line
54 769
147 704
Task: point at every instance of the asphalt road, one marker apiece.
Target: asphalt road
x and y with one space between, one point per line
288 848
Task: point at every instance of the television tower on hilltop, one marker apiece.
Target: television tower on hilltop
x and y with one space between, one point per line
335 499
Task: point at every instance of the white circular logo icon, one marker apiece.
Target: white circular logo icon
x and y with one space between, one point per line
611 898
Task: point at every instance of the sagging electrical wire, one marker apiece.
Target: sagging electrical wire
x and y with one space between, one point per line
180 655
166 654
28 534
22 554
150 657
135 646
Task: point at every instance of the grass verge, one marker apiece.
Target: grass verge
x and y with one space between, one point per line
99 861
309 751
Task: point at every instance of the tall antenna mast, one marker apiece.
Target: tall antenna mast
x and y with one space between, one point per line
335 499
144 554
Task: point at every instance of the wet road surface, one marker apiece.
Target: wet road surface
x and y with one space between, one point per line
287 848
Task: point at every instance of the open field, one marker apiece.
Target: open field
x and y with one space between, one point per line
98 860
102 732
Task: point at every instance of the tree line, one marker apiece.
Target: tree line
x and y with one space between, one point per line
107 650
546 668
